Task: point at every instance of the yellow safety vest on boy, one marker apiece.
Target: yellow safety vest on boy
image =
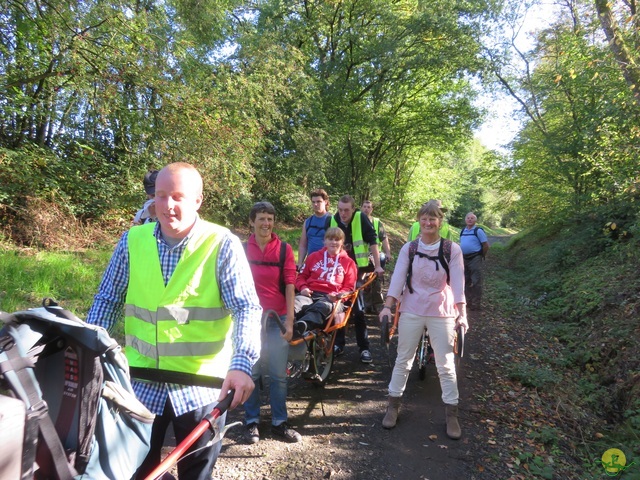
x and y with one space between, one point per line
183 326
360 249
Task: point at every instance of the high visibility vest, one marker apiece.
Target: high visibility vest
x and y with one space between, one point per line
376 227
414 232
360 249
183 326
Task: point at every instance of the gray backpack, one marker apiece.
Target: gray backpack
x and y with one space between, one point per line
82 420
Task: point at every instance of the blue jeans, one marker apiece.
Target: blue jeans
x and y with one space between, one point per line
273 361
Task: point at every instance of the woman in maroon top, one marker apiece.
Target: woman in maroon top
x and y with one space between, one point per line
326 275
263 253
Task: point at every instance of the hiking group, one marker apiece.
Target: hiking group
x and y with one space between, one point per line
192 315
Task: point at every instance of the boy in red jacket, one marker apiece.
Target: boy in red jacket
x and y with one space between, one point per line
326 275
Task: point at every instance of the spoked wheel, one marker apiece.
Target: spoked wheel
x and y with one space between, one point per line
321 348
423 356
422 361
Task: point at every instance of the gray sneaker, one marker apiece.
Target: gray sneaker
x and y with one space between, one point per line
251 434
365 356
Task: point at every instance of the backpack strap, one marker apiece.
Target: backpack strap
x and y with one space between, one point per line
283 255
180 378
413 249
17 370
444 257
279 263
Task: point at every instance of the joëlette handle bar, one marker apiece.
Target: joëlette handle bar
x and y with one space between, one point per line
205 424
273 314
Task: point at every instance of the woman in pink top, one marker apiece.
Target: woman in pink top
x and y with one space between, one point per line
326 275
435 304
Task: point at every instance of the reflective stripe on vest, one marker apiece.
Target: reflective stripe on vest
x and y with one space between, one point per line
360 249
182 326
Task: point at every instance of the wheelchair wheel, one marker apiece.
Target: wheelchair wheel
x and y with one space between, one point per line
321 348
422 357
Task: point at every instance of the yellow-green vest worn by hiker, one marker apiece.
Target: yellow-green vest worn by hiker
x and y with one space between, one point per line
184 326
415 231
376 227
360 249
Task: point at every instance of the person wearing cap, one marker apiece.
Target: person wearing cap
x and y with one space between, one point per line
147 213
445 231
433 299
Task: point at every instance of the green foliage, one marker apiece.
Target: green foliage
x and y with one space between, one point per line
534 376
70 278
576 151
580 285
386 95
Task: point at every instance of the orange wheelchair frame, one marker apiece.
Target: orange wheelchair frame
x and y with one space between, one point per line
315 363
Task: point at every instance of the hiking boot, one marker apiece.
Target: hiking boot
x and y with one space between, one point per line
286 433
337 350
251 434
453 427
365 356
391 416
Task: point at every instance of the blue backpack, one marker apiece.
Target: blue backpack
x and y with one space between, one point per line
82 418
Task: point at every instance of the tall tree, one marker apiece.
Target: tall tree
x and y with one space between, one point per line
390 79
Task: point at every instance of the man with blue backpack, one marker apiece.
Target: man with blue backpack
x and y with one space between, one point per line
312 237
474 245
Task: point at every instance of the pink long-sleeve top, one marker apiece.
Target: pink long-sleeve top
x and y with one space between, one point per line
431 295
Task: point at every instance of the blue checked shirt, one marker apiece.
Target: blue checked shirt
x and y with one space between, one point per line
239 296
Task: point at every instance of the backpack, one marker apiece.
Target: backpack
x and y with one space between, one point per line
82 418
475 231
444 257
279 263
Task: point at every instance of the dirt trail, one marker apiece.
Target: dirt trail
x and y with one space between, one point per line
341 426
341 423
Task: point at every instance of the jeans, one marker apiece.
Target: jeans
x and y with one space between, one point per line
441 335
196 466
273 362
314 310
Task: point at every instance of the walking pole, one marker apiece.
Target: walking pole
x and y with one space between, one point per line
203 426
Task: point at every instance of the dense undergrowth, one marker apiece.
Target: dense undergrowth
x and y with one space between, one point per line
579 285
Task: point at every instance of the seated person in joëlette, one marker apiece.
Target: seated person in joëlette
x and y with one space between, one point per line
326 276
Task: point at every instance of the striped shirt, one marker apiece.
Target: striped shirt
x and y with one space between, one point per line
238 294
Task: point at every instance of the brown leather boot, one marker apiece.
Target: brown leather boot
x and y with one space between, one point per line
453 427
391 417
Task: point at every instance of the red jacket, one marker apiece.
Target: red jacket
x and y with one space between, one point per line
266 277
321 274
